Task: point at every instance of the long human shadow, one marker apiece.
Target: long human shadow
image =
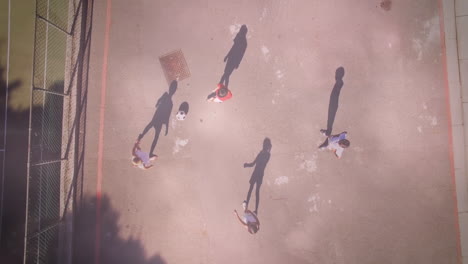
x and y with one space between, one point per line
161 116
112 249
235 55
334 96
260 163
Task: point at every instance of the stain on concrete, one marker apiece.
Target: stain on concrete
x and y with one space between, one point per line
386 5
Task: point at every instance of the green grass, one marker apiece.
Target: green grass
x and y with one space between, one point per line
23 14
21 49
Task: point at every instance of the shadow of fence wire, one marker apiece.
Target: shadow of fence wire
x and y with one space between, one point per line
57 127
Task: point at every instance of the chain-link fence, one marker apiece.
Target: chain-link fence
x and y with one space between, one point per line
57 125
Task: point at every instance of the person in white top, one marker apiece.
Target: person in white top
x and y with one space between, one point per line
335 143
249 220
140 158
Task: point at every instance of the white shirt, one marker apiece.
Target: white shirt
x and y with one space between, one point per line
249 218
333 144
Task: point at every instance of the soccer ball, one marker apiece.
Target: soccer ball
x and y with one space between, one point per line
180 115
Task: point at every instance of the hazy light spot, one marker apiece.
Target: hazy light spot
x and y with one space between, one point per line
279 74
179 143
281 180
234 28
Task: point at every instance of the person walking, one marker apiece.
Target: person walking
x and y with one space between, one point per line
335 143
249 220
140 158
220 94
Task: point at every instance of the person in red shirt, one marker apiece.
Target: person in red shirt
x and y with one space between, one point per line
220 94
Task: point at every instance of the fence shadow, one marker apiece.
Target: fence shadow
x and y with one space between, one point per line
113 248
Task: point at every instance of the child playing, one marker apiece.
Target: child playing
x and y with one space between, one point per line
249 219
336 143
141 159
220 94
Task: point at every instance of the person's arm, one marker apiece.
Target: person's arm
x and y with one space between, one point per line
334 152
238 217
343 135
251 164
338 153
219 86
229 54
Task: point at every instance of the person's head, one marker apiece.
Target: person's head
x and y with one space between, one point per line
252 228
173 87
344 143
242 34
243 30
339 73
267 144
136 161
222 92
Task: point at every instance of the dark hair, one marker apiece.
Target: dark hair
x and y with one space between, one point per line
344 143
253 228
136 160
222 92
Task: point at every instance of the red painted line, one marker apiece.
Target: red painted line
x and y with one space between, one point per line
450 130
97 252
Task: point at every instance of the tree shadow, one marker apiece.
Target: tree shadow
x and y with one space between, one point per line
161 116
113 249
235 55
13 173
3 98
260 163
334 96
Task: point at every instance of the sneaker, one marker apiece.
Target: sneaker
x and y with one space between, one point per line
153 156
244 205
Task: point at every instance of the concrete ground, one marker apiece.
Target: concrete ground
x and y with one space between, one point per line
389 199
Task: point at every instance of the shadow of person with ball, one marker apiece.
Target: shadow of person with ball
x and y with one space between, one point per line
161 116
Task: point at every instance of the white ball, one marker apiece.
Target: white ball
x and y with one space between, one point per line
180 115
